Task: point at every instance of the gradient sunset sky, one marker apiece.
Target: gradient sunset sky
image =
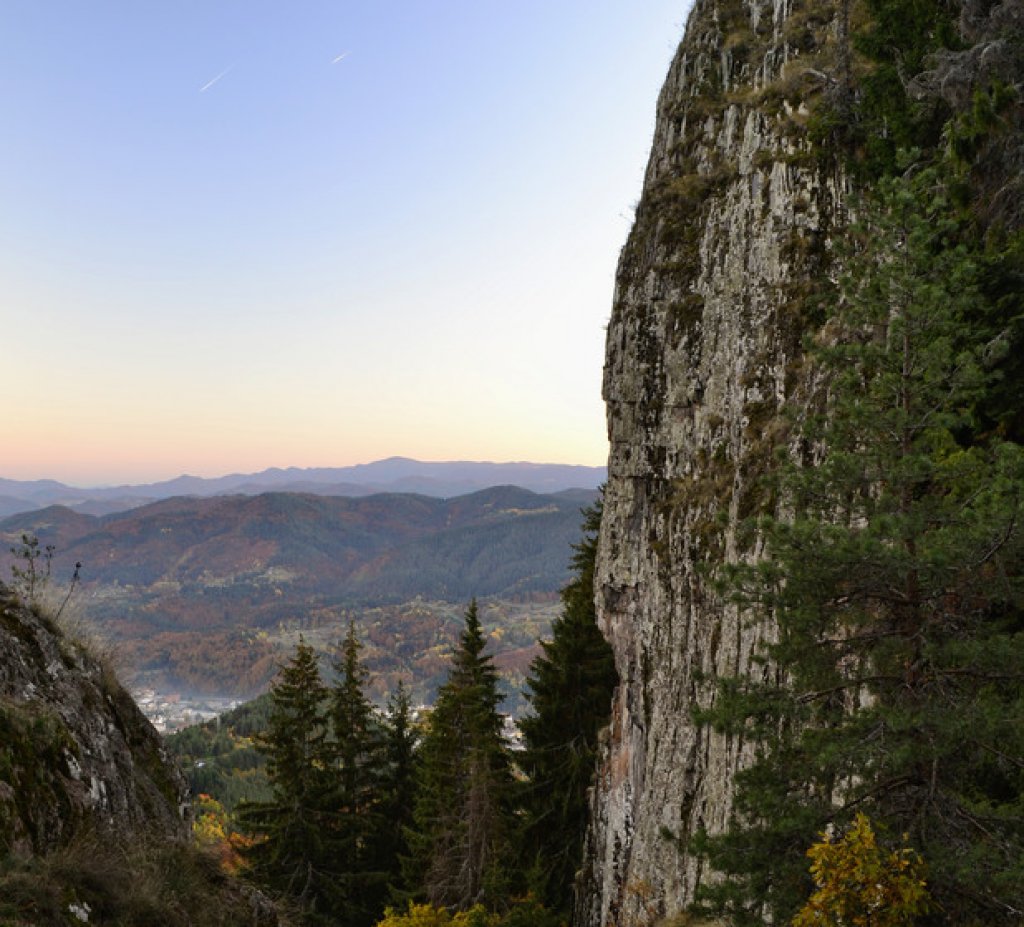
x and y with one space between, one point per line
238 234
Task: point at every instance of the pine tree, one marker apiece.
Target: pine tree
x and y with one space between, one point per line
291 854
569 691
460 839
896 584
355 798
398 789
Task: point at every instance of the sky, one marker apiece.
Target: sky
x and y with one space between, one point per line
238 234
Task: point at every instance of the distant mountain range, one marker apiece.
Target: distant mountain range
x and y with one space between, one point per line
369 549
395 475
202 584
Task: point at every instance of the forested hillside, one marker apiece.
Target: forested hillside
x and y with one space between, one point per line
207 594
784 680
354 815
376 549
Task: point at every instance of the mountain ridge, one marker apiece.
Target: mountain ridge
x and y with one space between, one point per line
440 479
324 526
218 581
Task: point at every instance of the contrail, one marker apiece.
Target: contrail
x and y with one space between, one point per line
206 87
340 57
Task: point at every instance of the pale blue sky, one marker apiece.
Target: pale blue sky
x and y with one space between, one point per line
309 263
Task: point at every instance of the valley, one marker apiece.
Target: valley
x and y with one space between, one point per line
207 596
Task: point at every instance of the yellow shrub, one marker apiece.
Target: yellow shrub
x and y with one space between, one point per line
425 915
860 884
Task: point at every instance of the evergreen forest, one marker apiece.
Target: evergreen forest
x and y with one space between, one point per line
363 816
882 726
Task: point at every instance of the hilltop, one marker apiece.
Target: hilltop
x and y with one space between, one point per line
440 479
205 594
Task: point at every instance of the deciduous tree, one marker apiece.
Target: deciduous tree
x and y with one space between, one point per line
861 884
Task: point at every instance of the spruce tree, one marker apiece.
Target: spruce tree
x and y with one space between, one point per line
291 852
895 580
460 839
569 690
354 801
398 788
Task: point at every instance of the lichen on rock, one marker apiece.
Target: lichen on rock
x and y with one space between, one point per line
76 753
703 349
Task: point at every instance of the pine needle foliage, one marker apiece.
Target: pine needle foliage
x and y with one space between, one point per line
569 690
292 854
398 787
460 842
354 801
896 579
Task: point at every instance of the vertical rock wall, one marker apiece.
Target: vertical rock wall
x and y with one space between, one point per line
703 347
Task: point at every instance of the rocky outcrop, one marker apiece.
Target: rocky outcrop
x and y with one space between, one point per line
76 753
703 347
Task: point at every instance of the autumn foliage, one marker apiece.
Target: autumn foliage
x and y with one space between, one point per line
861 884
211 829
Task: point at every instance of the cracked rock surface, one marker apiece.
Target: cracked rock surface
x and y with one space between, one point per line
703 347
76 753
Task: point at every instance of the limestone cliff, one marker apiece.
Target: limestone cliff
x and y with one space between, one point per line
76 754
737 214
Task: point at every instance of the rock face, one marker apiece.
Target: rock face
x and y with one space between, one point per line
75 751
737 215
